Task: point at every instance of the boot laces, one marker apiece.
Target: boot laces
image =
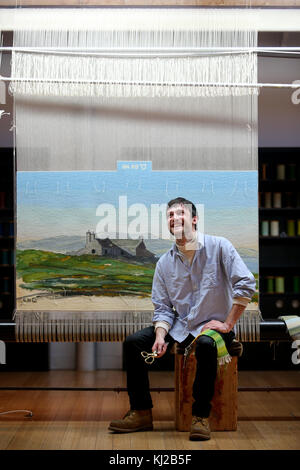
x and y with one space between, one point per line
128 414
199 419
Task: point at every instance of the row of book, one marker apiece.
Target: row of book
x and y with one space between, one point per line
280 228
280 172
278 200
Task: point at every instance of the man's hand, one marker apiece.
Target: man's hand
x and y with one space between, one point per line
160 346
223 327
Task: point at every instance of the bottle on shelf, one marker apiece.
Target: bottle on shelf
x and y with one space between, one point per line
296 284
280 172
291 171
277 202
291 228
270 284
279 285
265 228
274 228
268 200
265 171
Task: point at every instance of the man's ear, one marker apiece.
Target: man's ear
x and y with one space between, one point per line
195 220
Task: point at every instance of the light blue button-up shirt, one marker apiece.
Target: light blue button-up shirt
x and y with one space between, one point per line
188 296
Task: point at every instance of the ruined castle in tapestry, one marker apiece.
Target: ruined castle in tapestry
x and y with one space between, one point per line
115 248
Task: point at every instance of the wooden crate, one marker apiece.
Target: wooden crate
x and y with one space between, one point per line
223 416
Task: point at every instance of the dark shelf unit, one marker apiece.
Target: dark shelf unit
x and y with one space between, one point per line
19 356
279 231
7 234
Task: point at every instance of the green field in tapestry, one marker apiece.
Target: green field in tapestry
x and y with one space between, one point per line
83 274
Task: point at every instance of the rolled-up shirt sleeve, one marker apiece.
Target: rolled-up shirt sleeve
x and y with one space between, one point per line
163 308
161 324
241 301
241 279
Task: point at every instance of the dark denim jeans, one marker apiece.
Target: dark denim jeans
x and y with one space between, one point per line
137 369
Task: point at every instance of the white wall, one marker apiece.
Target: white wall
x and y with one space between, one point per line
278 117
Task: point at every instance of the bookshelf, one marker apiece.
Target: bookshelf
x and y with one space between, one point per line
7 234
279 231
19 356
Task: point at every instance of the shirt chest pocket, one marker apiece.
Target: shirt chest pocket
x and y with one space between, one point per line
179 284
209 275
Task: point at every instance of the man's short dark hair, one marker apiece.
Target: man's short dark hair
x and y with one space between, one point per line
185 202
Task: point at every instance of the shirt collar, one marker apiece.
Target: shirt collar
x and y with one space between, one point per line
200 240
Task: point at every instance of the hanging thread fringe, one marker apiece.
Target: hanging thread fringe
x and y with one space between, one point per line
69 75
248 326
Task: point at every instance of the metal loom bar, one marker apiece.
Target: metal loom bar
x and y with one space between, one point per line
191 84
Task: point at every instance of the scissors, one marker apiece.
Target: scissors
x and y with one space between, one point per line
149 357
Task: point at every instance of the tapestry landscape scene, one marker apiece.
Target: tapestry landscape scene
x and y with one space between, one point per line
89 240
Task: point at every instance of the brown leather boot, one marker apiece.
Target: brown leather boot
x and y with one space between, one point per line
134 420
200 430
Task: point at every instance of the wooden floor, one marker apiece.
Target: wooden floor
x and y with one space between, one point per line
79 419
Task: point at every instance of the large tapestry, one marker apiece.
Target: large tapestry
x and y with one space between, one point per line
111 123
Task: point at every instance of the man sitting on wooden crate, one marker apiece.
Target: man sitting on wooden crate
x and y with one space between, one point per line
201 285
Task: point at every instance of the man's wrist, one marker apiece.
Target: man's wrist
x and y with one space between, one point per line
160 332
228 326
234 315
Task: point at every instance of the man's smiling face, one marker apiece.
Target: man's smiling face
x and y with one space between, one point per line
181 224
